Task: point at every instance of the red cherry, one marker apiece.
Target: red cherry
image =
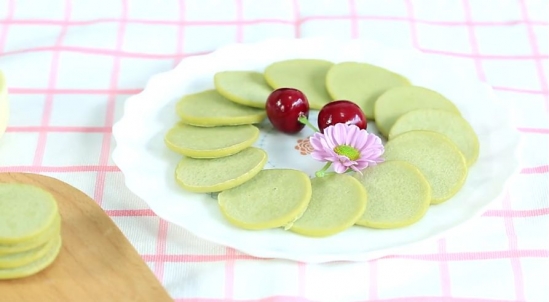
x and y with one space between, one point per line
284 107
341 111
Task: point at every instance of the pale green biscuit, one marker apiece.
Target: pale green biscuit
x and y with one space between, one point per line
41 239
436 157
306 75
397 101
398 195
26 211
449 123
361 83
209 109
210 142
337 202
26 257
218 174
273 198
35 266
247 88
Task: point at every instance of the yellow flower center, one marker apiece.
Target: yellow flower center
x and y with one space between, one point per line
350 152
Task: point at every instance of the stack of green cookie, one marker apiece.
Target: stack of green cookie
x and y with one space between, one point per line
30 226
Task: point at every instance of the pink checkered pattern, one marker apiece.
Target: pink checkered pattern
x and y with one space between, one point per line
71 65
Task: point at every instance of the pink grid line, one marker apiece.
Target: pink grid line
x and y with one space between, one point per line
413 27
512 238
48 105
301 278
58 129
58 169
481 255
143 55
281 298
100 51
111 105
161 239
534 130
430 257
193 258
535 51
297 18
229 272
239 21
9 17
354 19
46 22
130 213
17 90
473 41
414 20
535 170
517 213
161 248
512 89
445 281
372 288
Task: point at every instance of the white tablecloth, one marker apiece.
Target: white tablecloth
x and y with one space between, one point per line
70 65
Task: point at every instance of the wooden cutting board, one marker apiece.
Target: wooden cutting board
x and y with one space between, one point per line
96 262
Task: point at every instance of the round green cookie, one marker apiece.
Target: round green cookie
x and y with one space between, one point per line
209 109
203 175
436 157
449 123
247 88
338 201
397 101
307 75
26 211
210 142
361 83
273 198
398 195
41 239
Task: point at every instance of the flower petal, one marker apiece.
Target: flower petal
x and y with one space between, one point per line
339 168
340 134
329 137
315 141
351 135
361 139
320 155
327 145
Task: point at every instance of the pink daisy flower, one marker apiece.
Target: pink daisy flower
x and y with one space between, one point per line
346 147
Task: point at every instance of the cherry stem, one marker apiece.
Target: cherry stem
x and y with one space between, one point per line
303 119
322 172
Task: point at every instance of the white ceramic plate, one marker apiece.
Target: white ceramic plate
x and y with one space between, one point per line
148 166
